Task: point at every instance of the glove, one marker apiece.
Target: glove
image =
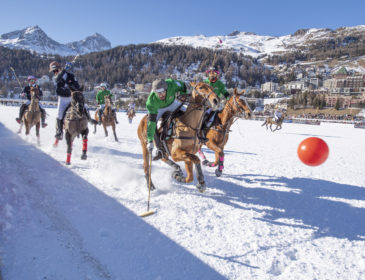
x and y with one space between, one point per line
68 66
150 146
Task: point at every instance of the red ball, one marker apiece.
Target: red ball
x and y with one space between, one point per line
313 151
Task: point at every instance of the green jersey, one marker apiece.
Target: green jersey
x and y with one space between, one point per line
219 88
101 95
154 103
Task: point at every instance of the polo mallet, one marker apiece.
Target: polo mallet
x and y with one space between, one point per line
148 212
12 69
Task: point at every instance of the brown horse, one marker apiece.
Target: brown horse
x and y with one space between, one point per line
236 107
76 123
32 115
183 144
270 121
131 114
107 118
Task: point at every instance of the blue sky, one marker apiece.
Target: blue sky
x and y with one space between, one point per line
133 22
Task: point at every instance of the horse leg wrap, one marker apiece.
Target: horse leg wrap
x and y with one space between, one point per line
220 163
199 173
201 154
68 158
84 145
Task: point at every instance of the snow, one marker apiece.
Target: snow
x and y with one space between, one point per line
268 216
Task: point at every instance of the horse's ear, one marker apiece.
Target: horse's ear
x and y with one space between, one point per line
242 92
193 84
82 88
235 92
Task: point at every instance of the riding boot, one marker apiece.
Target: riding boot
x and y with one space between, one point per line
115 116
21 112
159 147
43 117
100 113
59 129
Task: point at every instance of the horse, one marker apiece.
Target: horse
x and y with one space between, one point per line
32 115
108 118
183 143
269 121
131 114
76 123
236 108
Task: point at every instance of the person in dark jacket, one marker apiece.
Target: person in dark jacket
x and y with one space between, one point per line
26 92
65 81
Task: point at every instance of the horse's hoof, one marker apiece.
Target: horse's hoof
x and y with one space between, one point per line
68 163
205 162
218 173
176 173
84 157
201 187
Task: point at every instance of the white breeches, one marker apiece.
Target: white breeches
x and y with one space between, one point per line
171 108
63 102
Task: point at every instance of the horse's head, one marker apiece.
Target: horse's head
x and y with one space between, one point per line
240 104
203 94
78 100
108 101
34 92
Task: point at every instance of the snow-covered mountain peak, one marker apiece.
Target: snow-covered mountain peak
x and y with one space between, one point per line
35 39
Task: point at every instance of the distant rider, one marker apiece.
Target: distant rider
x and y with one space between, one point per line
100 100
26 91
65 81
162 99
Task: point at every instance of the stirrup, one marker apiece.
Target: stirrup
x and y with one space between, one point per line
158 155
203 139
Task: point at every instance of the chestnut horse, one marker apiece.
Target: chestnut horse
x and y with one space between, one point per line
108 118
183 144
32 115
76 123
270 121
131 114
236 107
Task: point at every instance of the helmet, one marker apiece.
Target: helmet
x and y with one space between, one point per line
31 78
54 65
212 69
159 85
103 85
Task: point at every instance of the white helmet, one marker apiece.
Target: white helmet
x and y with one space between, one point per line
103 85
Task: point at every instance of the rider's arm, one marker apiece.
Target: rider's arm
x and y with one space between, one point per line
152 108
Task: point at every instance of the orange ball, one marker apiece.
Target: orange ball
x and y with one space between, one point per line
313 151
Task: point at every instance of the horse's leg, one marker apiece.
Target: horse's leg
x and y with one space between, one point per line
219 158
105 130
84 144
203 157
38 125
20 128
177 172
115 134
189 159
69 147
94 128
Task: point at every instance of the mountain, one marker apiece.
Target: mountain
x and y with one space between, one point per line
35 39
255 45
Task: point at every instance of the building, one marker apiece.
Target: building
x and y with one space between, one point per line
270 87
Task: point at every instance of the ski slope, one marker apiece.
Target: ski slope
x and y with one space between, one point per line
268 216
